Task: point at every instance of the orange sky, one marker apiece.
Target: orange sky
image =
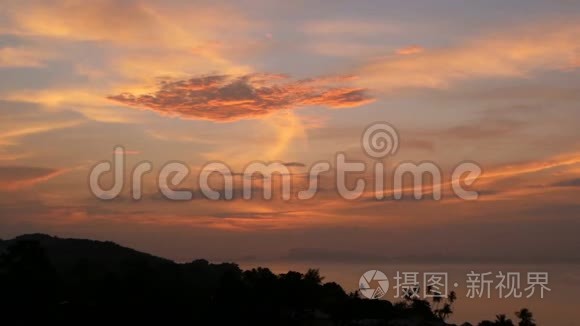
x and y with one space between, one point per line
489 83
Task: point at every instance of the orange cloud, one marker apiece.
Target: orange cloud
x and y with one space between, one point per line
19 177
229 98
517 53
5 156
15 131
21 57
412 49
533 167
168 39
127 22
494 176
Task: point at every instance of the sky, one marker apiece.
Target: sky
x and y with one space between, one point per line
490 82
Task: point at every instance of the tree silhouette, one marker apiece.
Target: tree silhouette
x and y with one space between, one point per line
64 280
26 275
526 317
452 297
436 297
313 276
443 312
502 320
486 323
446 311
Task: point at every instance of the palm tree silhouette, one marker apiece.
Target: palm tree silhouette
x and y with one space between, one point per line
502 320
445 311
526 317
452 297
435 297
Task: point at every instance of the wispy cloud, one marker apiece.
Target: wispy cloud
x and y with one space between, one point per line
133 23
568 183
517 53
9 135
411 49
19 177
22 57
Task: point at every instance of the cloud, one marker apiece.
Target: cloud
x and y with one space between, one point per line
88 102
487 127
568 183
169 39
18 177
5 156
21 57
128 22
514 54
411 49
564 160
502 177
294 164
230 98
8 136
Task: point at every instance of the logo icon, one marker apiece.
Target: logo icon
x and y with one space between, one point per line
373 284
380 140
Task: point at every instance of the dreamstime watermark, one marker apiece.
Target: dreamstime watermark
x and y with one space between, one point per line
379 141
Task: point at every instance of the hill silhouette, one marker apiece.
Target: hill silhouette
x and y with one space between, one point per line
77 280
64 252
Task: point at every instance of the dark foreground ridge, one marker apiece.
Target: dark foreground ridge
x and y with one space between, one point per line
85 282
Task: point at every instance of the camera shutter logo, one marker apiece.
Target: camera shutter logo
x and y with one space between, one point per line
374 278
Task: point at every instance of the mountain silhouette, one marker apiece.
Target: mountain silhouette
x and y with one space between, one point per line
66 252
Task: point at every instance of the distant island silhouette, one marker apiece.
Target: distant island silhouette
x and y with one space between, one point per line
84 281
